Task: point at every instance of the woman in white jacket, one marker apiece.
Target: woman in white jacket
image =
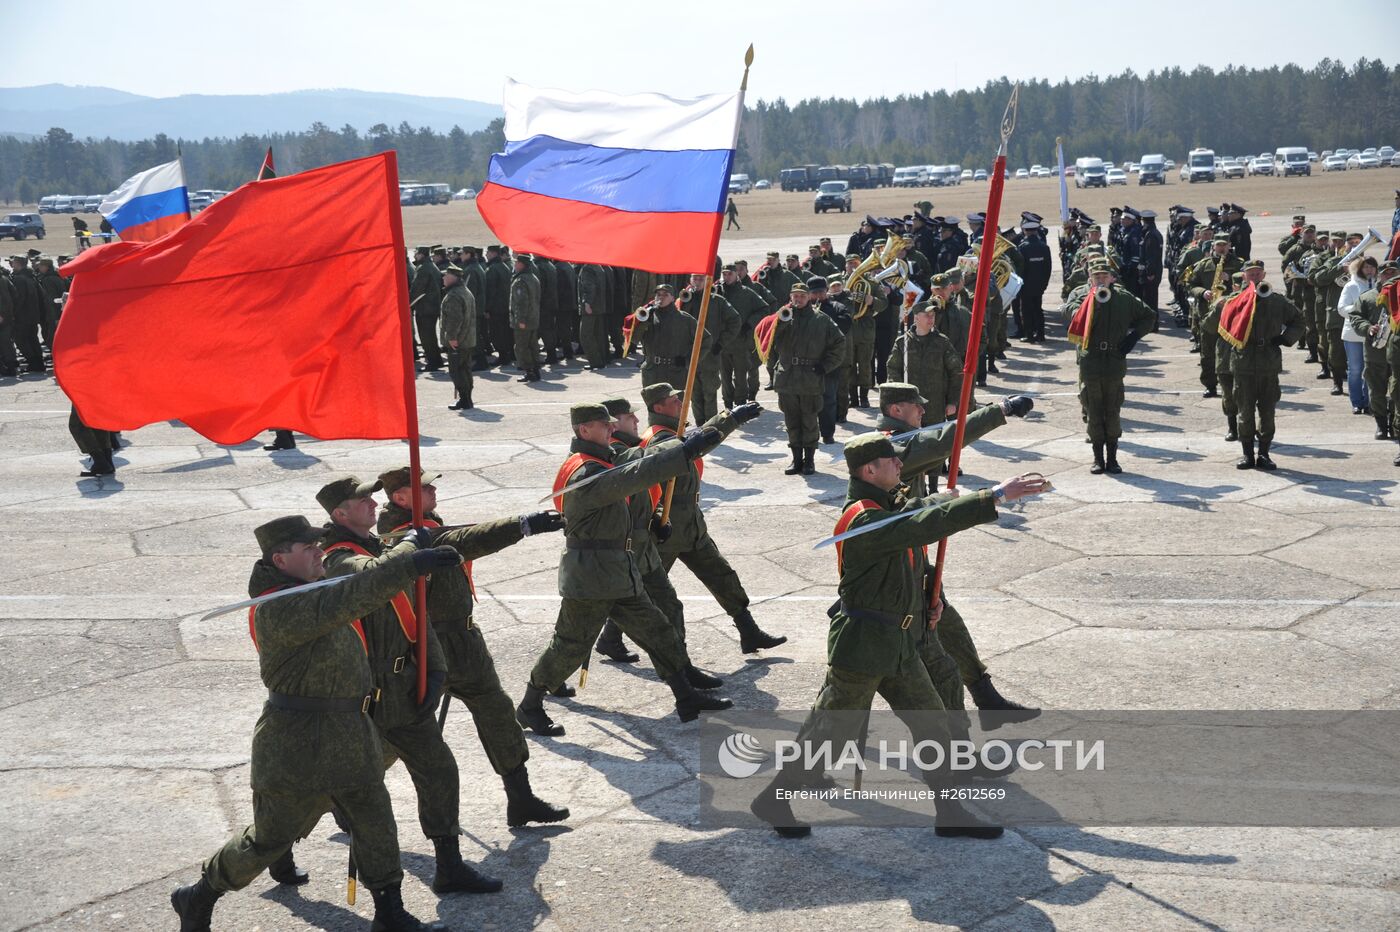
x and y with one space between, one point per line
1363 279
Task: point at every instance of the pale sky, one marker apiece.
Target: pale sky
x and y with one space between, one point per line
804 48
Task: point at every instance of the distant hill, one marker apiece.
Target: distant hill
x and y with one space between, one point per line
100 112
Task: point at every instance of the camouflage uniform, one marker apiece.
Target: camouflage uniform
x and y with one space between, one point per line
722 326
1367 312
1257 365
457 323
667 336
593 310
804 350
739 361
525 318
935 366
425 296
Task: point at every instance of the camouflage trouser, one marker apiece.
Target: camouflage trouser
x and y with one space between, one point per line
527 349
280 817
471 677
1377 373
1210 374
1318 313
1336 354
998 343
1256 392
459 367
1392 356
1102 400
702 400
714 571
843 393
957 641
1298 297
593 337
429 761
428 337
580 621
942 669
1227 393
800 418
863 357
663 596
739 372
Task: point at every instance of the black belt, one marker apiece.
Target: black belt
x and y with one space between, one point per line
865 614
799 361
574 543
325 706
667 360
449 625
392 665
1103 346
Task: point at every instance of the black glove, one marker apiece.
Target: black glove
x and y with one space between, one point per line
541 522
436 680
422 537
1281 340
661 531
699 442
1127 345
1017 405
434 558
746 412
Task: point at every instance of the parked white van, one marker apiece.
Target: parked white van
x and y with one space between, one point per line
1291 160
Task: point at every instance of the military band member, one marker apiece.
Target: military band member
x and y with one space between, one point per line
1208 280
1367 320
925 357
805 346
667 335
1256 362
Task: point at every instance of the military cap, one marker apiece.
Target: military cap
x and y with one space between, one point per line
814 246
292 529
1030 225
1222 237
1322 233
868 219
1115 210
1397 192
616 406
1085 219
657 392
1387 270
1212 210
940 280
1237 209
922 218
35 253
664 287
19 258
825 239
1299 218
977 217
950 223
396 479
1179 209
1132 212
867 448
955 274
1186 212
893 393
728 268
438 247
334 493
1356 236
1148 215
586 412
44 260
792 255
422 249
1031 216
816 283
1309 228
774 254
451 269
1252 264
798 287
1339 234
1095 228
1098 264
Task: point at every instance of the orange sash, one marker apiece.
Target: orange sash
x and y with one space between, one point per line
654 433
1390 300
466 564
566 472
253 631
402 605
844 525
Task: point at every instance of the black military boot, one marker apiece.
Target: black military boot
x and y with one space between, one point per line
531 714
752 638
953 821
1112 463
772 808
611 645
522 805
1326 372
284 870
1098 466
563 691
865 397
1262 461
1382 425
985 695
992 365
700 679
1233 433
689 703
1312 350
796 468
453 875
808 467
1247 462
1397 459
390 916
1336 385
282 441
1210 392
195 905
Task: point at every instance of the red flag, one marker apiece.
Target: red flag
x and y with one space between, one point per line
267 171
1082 321
1390 301
1237 317
282 304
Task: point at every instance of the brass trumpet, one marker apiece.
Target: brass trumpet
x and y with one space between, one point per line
785 313
1103 294
643 313
1263 290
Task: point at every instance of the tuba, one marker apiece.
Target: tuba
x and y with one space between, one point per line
858 286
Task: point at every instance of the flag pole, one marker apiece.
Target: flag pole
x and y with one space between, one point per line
698 344
410 400
991 231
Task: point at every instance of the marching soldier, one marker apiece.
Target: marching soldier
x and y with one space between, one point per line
525 318
406 726
424 296
667 335
1209 279
1240 231
471 672
775 278
599 574
1368 321
722 326
457 320
926 358
1327 292
1256 363
954 663
803 346
739 362
880 620
314 746
1106 326
688 538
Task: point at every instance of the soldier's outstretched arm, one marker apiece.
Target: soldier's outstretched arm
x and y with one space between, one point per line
343 562
629 478
480 540
299 619
932 446
945 516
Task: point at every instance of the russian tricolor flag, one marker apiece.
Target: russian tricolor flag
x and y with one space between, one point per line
150 204
632 180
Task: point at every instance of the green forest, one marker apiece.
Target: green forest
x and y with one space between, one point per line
1233 111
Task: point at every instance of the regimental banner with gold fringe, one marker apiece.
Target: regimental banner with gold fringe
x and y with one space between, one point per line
1390 301
628 324
763 334
1083 321
1237 317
